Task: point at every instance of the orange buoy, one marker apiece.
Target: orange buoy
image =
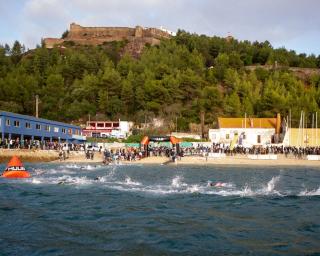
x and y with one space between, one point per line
15 169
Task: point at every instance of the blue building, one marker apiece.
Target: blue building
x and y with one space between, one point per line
13 126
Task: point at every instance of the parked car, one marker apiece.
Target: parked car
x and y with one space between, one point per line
92 147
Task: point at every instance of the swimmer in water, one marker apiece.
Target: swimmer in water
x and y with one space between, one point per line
217 184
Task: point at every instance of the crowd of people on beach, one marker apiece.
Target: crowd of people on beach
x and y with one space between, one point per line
200 150
133 154
297 152
37 144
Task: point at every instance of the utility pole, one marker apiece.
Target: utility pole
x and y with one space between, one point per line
176 124
202 123
316 128
37 106
145 123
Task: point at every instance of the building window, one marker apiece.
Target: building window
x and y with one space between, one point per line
28 125
101 125
56 129
8 123
63 130
259 139
227 136
16 123
69 131
47 128
38 126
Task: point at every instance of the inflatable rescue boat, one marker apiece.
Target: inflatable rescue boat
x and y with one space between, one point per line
15 169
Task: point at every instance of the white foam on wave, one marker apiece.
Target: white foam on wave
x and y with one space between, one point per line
246 191
35 181
314 192
270 187
156 190
38 171
82 167
61 171
177 182
82 180
194 189
177 185
72 166
129 181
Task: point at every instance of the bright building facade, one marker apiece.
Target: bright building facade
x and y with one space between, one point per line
302 137
104 129
246 132
22 127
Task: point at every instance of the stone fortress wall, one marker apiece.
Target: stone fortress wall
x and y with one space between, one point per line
99 35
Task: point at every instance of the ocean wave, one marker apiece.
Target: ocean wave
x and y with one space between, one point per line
314 192
176 182
81 167
129 181
176 185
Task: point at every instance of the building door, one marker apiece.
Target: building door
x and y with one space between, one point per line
259 139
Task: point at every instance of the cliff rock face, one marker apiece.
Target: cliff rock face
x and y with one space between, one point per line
137 37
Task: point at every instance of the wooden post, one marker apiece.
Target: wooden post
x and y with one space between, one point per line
202 123
37 106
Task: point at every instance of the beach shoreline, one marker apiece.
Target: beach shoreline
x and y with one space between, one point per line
28 155
199 161
79 157
230 161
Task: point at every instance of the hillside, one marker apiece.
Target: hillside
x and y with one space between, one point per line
175 80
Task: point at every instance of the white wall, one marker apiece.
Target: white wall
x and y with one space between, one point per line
251 135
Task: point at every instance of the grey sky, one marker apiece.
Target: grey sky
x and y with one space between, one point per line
291 23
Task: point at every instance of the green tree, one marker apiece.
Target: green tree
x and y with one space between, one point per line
232 105
16 52
127 94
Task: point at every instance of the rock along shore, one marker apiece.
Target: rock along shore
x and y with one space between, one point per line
27 155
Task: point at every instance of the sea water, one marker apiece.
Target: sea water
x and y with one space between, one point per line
74 209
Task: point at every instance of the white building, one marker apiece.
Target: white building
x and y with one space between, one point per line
246 131
103 129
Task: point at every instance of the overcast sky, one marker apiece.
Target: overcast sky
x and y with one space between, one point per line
294 24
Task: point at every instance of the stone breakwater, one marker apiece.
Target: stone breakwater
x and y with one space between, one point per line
28 155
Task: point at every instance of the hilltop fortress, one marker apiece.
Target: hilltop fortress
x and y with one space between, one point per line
137 37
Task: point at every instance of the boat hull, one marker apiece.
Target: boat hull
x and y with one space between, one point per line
16 174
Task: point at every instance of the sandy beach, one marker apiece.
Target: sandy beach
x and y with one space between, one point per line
79 157
27 155
198 160
234 160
